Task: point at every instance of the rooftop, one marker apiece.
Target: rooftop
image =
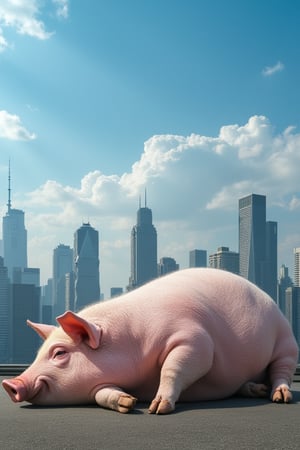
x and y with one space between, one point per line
236 423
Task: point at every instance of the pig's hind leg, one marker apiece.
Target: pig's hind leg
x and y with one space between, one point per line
184 365
253 390
282 369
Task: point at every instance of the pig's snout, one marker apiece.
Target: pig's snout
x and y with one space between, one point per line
16 389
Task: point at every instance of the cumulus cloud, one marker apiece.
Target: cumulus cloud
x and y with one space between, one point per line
193 184
242 158
268 71
11 128
25 17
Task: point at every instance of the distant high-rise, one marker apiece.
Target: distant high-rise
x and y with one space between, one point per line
257 244
86 258
167 265
198 258
252 237
28 275
47 302
225 259
271 260
297 266
284 282
292 310
25 305
143 249
62 264
4 314
116 291
14 237
70 290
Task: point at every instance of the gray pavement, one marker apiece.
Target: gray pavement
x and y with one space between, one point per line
228 424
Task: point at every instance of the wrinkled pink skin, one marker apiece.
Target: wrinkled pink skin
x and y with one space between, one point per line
197 334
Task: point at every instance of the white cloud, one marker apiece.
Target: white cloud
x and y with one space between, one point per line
11 128
253 158
294 204
3 42
268 71
193 184
25 17
250 140
62 8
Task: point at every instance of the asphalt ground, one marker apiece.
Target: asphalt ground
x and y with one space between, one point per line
236 423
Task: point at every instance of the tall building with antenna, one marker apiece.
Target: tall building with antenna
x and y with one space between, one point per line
143 248
14 236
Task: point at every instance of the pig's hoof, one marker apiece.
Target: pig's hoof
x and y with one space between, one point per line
159 406
282 394
126 403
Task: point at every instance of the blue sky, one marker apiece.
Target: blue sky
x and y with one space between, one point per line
198 101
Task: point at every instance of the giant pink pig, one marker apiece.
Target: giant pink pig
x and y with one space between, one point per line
196 334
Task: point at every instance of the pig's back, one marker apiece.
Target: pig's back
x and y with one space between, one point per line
222 302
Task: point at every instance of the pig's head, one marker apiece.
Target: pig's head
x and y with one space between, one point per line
63 369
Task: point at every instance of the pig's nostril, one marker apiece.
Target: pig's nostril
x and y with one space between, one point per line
14 391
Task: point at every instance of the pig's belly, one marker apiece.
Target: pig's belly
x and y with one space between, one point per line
215 388
212 386
206 388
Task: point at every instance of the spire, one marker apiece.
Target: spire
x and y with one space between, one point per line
145 198
9 189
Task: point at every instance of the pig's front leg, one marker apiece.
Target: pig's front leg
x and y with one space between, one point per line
116 399
183 366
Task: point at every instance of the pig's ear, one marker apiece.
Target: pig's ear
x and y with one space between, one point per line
42 329
78 328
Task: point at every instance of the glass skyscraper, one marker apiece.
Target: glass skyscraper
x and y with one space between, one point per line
252 237
143 249
257 244
86 267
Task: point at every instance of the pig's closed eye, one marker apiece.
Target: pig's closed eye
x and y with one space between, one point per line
59 353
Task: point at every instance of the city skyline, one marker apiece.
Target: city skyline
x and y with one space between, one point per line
197 102
251 210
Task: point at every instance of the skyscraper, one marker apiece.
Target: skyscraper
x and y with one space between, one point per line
225 259
4 314
297 266
198 258
14 237
167 265
292 298
284 282
271 281
86 258
143 249
252 237
25 305
62 264
257 244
